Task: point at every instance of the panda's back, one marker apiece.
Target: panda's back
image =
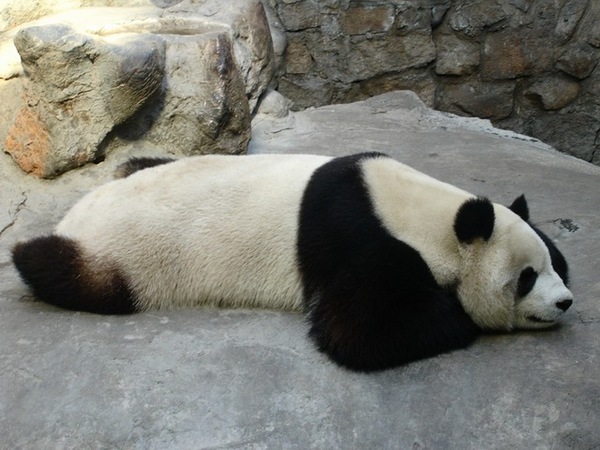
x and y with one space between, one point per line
214 230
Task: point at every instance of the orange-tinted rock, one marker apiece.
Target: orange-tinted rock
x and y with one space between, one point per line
28 143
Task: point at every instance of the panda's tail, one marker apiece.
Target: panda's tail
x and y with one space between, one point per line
58 273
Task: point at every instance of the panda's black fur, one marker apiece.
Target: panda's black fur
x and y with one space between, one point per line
371 300
53 268
135 164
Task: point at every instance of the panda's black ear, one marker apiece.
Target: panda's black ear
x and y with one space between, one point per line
520 208
474 219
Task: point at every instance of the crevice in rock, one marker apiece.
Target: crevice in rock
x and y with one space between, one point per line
593 157
14 214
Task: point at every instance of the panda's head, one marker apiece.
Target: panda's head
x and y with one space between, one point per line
512 275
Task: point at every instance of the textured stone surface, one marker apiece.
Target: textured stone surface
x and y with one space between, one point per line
298 57
573 131
488 100
220 59
361 20
507 56
455 55
570 15
300 15
202 106
340 51
78 88
274 104
251 379
470 18
554 92
318 75
415 80
395 53
252 44
415 16
28 142
578 61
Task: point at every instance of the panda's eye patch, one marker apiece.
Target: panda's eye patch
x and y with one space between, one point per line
526 281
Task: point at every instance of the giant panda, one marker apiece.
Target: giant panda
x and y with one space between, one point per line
389 264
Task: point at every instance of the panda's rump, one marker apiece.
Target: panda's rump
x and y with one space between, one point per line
211 230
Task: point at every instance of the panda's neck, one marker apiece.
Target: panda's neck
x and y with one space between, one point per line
418 210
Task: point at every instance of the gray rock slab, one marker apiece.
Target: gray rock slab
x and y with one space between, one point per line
251 379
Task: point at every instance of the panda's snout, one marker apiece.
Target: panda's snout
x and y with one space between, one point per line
564 304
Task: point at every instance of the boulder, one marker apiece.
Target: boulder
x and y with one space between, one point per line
367 19
181 75
202 106
471 18
299 60
570 15
78 87
579 61
274 105
508 56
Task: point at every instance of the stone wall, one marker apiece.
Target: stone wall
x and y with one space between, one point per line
527 65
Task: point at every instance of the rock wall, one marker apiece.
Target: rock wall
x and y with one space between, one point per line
528 65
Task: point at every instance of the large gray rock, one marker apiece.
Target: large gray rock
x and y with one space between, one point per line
78 88
218 60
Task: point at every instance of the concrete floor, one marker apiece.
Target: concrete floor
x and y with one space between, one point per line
251 379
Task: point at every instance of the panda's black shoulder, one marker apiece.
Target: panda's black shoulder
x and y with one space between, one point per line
334 212
329 173
338 182
336 209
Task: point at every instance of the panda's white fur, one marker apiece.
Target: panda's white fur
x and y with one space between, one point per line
210 230
246 232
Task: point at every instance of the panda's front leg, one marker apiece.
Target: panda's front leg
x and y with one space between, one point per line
366 322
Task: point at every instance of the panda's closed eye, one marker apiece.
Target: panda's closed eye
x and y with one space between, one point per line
526 281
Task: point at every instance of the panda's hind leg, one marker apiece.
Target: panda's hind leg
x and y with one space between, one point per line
58 273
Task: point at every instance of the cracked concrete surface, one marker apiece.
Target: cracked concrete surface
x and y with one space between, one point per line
251 379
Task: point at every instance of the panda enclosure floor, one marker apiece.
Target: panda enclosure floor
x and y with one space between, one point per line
251 379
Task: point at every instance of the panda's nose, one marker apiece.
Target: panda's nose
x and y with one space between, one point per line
564 304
